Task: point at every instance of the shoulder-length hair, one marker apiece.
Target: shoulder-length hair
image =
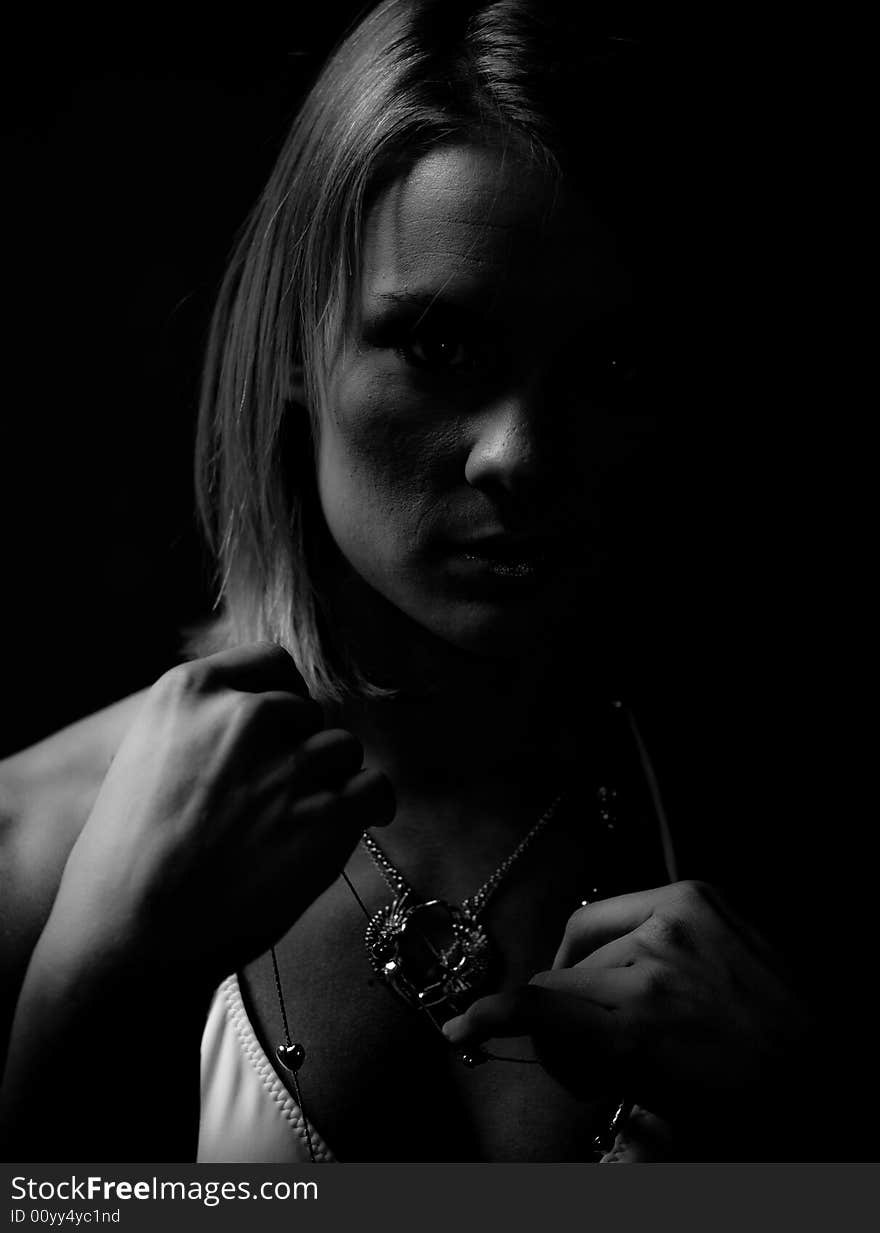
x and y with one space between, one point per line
412 75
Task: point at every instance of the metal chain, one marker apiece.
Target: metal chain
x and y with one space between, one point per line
475 903
394 879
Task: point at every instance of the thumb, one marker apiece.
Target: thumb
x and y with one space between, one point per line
552 1002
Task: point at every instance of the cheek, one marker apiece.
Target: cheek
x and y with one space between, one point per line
381 469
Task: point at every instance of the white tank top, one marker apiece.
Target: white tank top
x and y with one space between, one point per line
249 1117
247 1114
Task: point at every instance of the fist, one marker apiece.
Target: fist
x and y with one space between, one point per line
227 810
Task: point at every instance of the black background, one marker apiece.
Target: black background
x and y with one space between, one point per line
128 166
130 163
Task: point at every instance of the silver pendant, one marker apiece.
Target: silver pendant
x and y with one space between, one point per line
430 953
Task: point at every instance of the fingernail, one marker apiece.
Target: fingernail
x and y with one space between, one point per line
451 1029
384 820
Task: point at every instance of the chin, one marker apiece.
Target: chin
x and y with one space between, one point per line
494 632
432 619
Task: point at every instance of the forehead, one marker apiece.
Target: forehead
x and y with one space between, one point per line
491 227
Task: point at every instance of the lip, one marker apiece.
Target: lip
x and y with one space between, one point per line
503 541
505 559
508 547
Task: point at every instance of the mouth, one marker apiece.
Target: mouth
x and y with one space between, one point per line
506 559
522 569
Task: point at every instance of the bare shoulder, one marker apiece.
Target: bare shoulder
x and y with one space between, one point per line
46 794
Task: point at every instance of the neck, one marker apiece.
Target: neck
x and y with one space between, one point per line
481 722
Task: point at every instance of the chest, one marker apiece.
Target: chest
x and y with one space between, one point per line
379 1081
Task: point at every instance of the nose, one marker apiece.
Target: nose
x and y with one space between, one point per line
508 455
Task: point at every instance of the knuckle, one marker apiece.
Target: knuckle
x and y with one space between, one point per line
384 786
265 708
245 709
182 681
382 782
274 653
576 921
672 932
692 894
238 714
344 742
317 806
276 711
325 802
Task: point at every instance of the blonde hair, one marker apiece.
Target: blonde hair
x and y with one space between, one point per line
412 75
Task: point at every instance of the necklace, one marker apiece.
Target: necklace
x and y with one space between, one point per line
436 955
291 1056
430 952
459 967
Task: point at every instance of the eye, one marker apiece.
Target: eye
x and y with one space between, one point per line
619 370
439 350
612 379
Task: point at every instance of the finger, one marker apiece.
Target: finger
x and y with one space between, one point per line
602 922
680 919
325 760
500 1014
330 824
751 937
365 800
621 952
563 1003
251 734
691 915
253 667
273 720
369 799
322 763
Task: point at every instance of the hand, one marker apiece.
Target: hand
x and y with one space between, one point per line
665 997
225 813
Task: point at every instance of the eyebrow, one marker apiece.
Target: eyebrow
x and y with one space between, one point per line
393 307
427 297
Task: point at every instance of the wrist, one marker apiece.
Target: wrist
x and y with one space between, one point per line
69 974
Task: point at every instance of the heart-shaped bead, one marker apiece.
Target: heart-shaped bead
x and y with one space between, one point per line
291 1057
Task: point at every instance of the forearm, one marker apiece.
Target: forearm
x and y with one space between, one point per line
103 1063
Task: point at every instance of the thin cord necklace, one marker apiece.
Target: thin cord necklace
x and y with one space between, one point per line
291 1056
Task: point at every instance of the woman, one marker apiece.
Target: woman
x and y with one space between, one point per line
426 467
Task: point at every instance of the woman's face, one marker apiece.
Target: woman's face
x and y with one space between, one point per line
479 400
